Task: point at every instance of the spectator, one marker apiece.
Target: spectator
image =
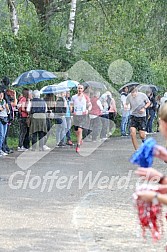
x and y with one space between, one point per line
150 112
38 127
10 98
104 117
158 98
112 111
95 113
23 115
4 110
51 104
163 99
68 119
60 110
125 111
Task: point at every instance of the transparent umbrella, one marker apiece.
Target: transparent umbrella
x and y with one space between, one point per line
148 87
94 84
53 89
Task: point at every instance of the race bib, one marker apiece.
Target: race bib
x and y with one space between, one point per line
78 111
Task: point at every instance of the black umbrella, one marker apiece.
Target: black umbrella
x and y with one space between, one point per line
129 85
94 84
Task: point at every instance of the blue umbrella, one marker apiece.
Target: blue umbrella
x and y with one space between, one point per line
33 77
69 84
53 89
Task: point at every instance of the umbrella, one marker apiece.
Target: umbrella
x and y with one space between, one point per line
68 84
129 85
94 84
32 77
53 89
149 87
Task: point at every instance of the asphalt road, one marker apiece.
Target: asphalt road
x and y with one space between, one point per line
63 201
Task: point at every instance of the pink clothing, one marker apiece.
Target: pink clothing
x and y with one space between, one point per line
95 108
22 106
112 106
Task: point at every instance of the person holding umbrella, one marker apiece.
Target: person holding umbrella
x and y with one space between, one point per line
138 103
38 128
4 110
125 112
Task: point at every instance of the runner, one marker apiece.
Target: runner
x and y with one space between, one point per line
81 105
138 103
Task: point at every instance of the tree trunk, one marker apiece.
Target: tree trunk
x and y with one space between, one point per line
46 8
70 35
13 16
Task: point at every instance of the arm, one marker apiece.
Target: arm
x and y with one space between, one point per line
89 106
147 104
14 103
160 152
7 108
145 107
114 105
72 105
100 105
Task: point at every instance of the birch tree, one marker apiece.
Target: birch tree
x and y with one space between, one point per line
70 35
13 16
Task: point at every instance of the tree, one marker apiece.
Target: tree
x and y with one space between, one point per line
47 8
13 16
70 34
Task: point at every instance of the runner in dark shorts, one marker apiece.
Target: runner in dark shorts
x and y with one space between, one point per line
138 122
138 103
80 121
81 105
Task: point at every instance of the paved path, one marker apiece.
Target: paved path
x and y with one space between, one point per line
74 216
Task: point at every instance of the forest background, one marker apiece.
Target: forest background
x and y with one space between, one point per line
55 34
34 34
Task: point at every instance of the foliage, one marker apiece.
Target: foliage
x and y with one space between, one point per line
105 31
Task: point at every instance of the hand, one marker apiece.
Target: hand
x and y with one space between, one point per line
142 110
160 152
14 92
149 174
146 195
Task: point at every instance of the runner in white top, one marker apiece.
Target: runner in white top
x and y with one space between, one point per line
80 106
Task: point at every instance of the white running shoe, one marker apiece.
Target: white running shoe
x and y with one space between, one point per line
21 149
2 153
45 147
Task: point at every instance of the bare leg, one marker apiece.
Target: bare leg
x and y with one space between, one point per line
133 137
142 134
79 135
